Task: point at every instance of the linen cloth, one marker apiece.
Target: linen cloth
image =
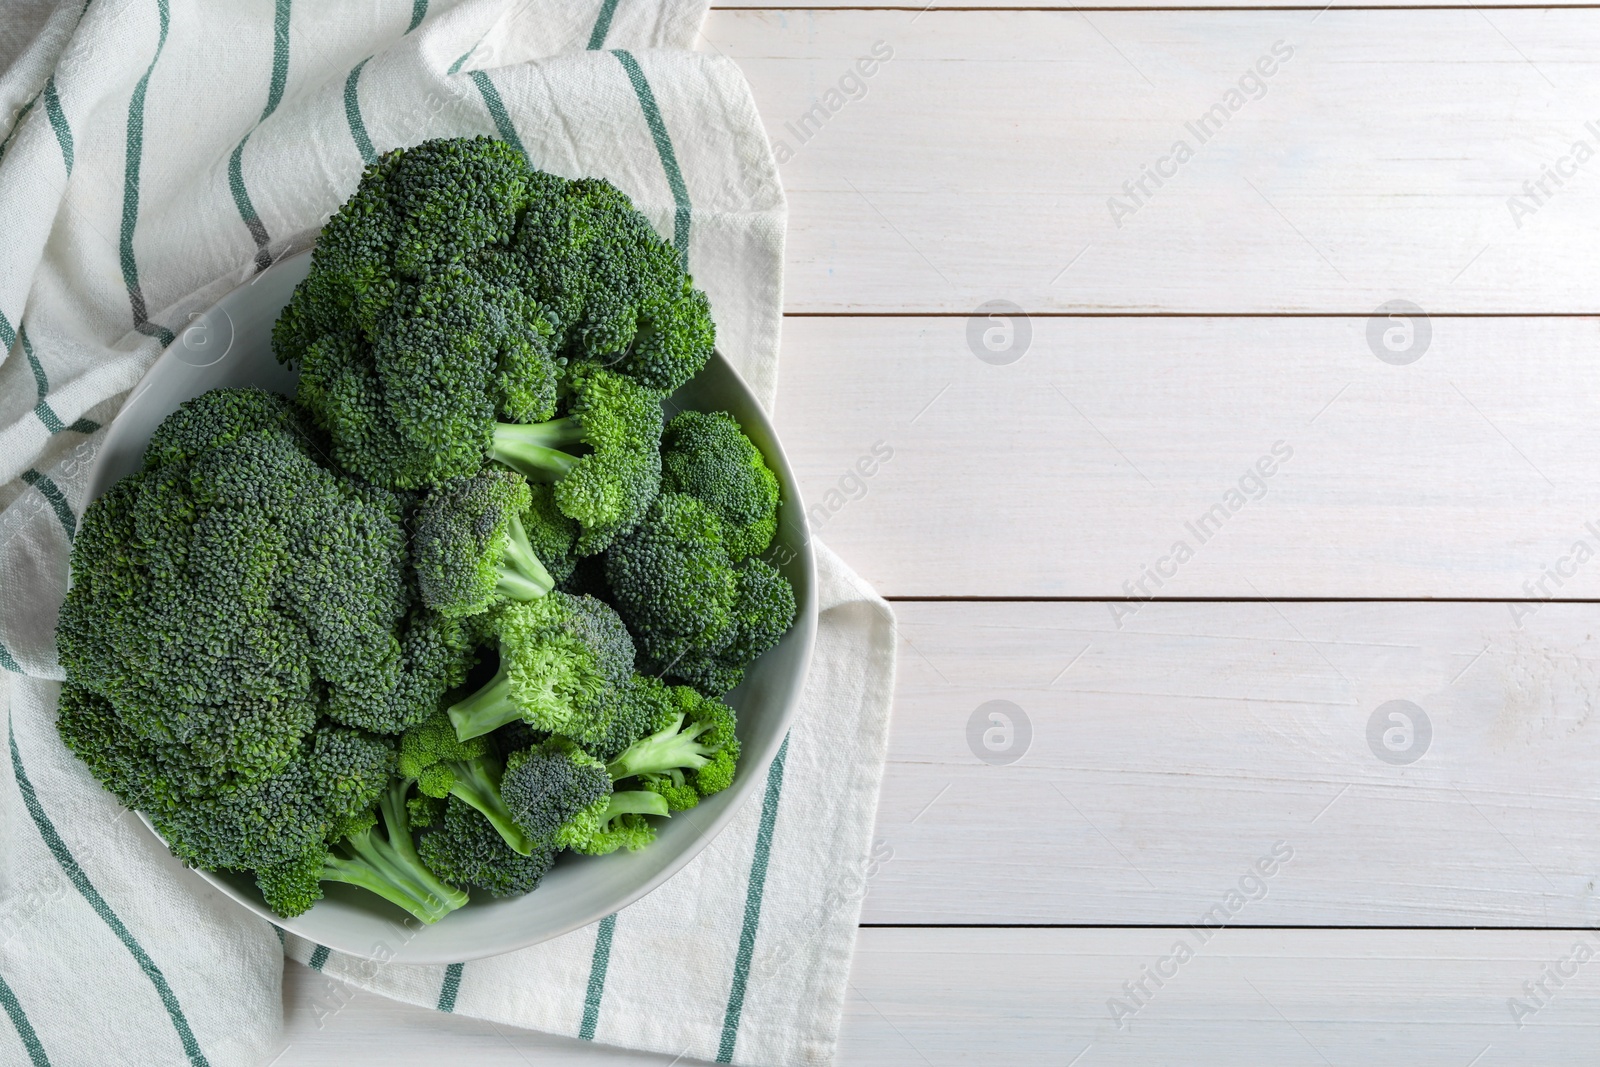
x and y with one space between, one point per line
156 153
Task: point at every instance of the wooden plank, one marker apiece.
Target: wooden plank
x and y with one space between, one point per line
1170 756
1464 474
1001 997
980 161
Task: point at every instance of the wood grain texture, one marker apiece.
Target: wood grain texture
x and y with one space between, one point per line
928 998
1071 471
1168 755
978 162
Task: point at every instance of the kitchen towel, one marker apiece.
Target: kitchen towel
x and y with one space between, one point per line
156 153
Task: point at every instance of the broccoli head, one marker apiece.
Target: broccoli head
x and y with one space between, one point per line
459 289
691 755
563 797
232 589
470 545
563 661
695 613
707 456
606 488
372 850
616 288
444 765
464 849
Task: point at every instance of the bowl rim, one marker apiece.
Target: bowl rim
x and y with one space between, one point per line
754 764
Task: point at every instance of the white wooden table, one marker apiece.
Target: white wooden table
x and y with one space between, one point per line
1432 882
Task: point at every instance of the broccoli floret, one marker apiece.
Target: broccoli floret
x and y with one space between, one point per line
563 660
465 850
382 861
437 653
616 288
763 609
695 614
232 589
606 488
459 289
691 755
471 548
672 581
310 823
444 765
707 456
563 798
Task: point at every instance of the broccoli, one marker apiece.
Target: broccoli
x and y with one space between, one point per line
459 290
563 798
566 797
606 489
695 614
707 456
466 850
231 590
617 289
563 660
691 753
763 609
470 545
382 862
469 770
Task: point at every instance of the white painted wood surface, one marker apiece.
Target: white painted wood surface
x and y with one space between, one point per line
1377 165
1173 752
1070 471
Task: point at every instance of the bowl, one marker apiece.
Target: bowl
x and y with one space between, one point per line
230 345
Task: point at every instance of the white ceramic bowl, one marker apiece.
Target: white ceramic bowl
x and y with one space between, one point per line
230 346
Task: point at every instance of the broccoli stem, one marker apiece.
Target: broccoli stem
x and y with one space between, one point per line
635 802
522 575
534 450
668 749
388 865
478 783
485 711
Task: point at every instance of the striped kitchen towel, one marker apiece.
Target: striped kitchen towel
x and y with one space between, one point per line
154 154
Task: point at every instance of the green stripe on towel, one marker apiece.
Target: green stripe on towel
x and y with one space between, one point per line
597 976
8 661
19 1019
41 382
75 874
58 122
669 158
602 25
419 11
450 986
752 905
130 192
352 114
497 110
280 76
318 957
57 499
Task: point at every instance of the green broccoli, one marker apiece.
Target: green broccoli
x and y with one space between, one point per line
444 765
607 488
470 545
563 660
763 610
615 287
695 614
689 755
707 456
232 589
459 290
563 798
464 849
384 862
